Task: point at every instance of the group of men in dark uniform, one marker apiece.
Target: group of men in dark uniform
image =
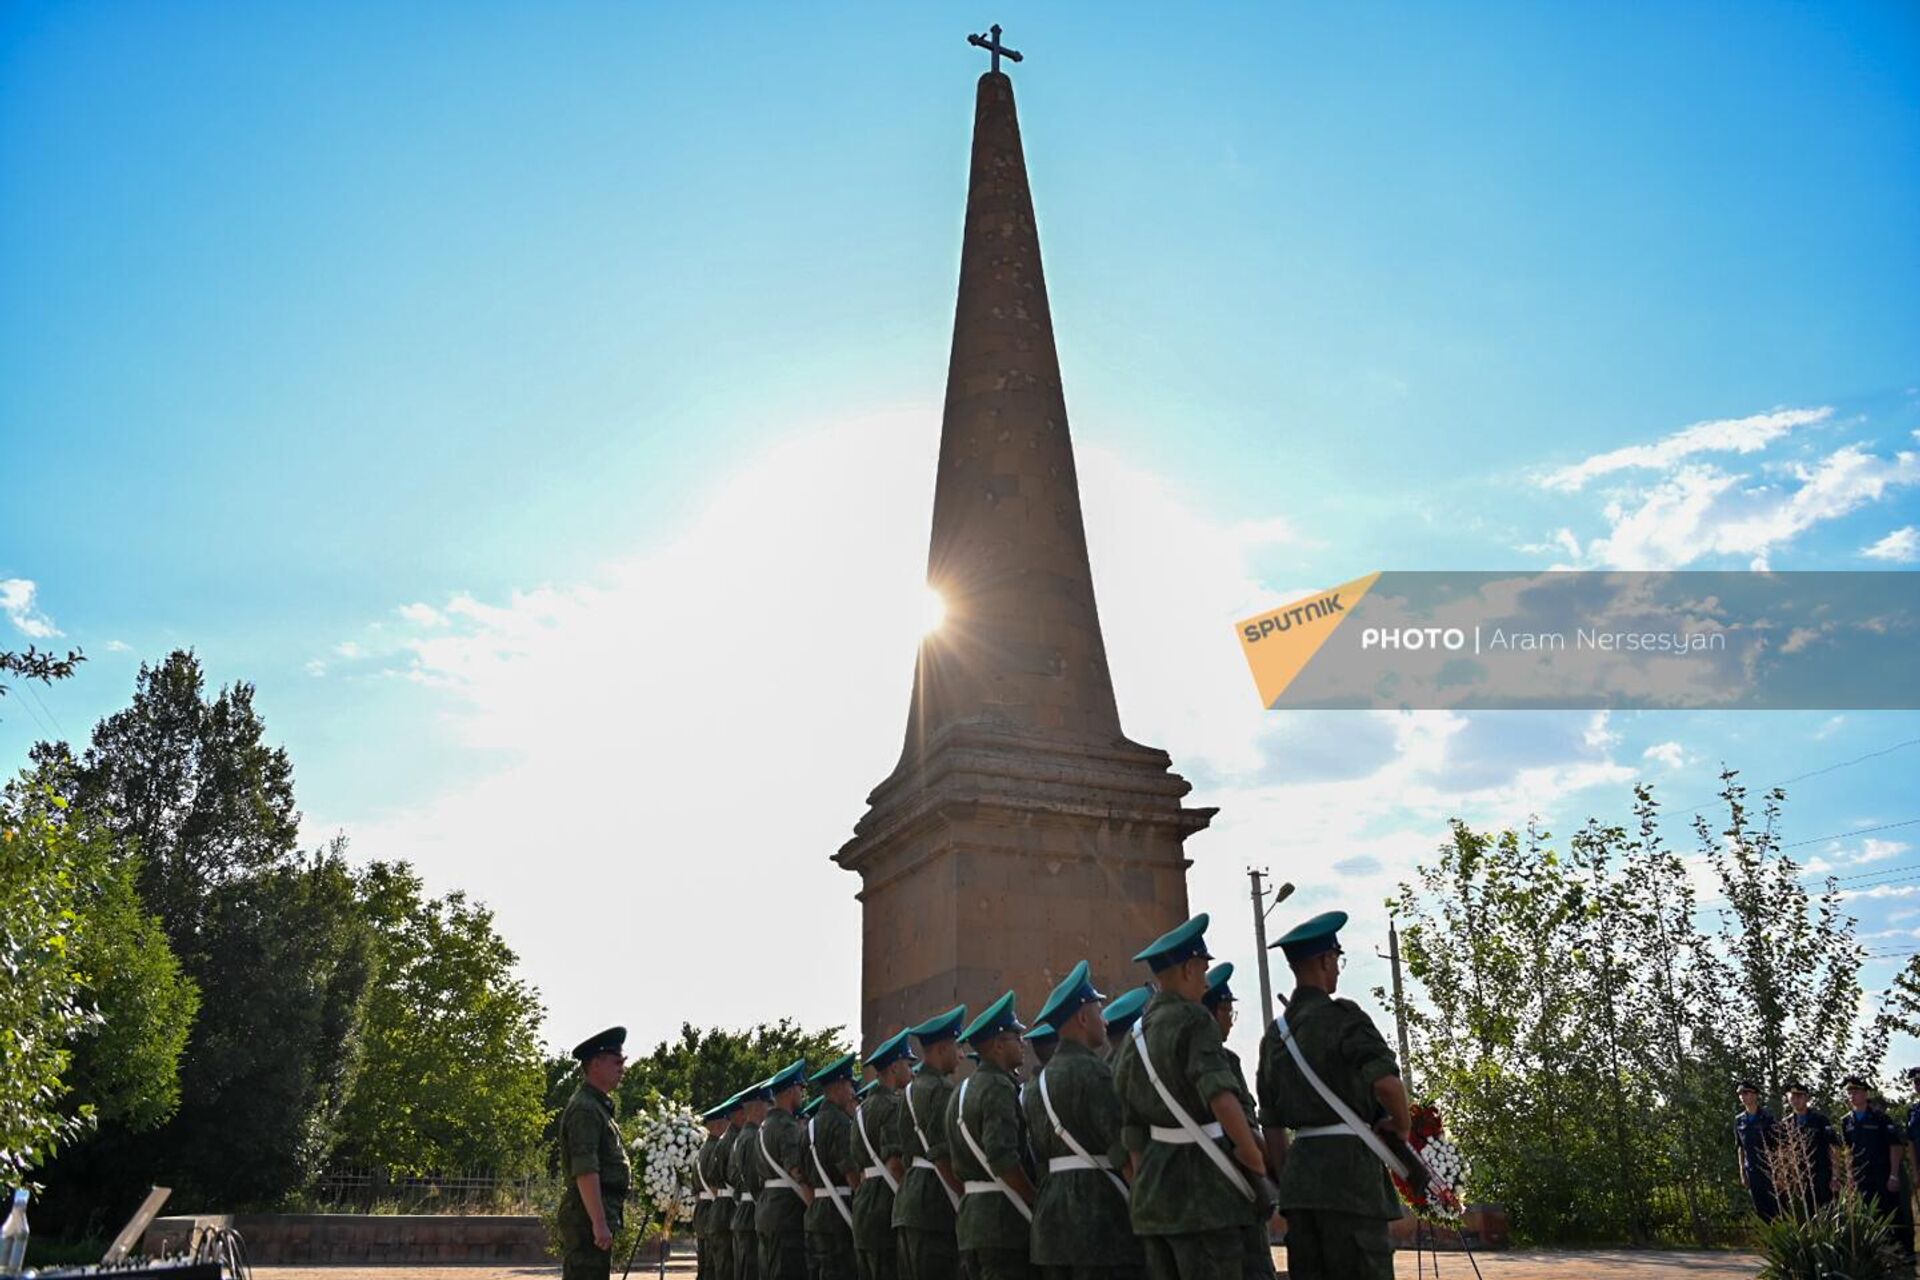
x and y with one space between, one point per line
1136 1149
1788 1166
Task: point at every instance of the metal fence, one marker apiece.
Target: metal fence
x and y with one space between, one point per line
377 1191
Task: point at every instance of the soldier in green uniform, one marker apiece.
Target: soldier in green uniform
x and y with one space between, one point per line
878 1151
1333 1188
779 1216
715 1165
706 1202
834 1171
1198 1169
925 1208
745 1169
1080 1225
1120 1014
987 1142
1258 1254
595 1160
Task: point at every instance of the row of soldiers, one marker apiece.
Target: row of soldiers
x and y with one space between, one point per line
1137 1148
1798 1174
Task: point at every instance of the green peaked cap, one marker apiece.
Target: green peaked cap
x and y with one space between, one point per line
1181 943
1217 988
1073 991
995 1018
840 1068
1311 937
942 1026
894 1046
793 1073
1124 1009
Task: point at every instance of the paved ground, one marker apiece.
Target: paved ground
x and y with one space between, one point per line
1516 1265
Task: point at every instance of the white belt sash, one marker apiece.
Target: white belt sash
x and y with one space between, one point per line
975 1188
1194 1133
1180 1137
1350 1122
776 1176
1081 1157
879 1167
920 1161
832 1191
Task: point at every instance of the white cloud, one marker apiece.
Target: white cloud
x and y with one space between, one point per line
1827 730
1700 511
316 668
118 646
1670 754
693 730
1872 850
1724 435
348 649
1901 546
17 602
424 615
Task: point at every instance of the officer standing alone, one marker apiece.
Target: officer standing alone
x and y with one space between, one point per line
593 1206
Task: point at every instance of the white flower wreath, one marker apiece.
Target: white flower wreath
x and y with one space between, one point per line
666 1144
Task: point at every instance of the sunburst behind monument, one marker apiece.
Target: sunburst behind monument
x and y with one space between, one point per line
1021 830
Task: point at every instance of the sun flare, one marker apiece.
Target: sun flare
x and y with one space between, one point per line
933 610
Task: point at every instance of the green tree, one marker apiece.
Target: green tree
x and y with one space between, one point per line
35 665
44 1004
451 1076
1580 1028
274 939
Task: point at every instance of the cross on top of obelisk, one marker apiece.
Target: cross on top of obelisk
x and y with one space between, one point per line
991 43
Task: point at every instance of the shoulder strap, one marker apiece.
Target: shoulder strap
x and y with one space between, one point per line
700 1167
1361 1129
833 1188
1073 1143
860 1118
960 1115
1220 1159
926 1149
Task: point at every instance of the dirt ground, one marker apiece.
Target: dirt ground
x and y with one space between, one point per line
1513 1265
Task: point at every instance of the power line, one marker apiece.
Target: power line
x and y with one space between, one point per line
1853 834
1814 773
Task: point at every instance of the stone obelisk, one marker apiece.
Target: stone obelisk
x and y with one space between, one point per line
1021 830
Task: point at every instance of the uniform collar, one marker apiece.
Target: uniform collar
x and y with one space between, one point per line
1306 997
1071 1048
599 1097
994 1069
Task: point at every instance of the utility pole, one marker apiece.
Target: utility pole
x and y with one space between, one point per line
1260 909
1399 1006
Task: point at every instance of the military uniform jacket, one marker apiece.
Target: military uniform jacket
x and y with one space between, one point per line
590 1143
922 1203
1346 1051
1081 1218
705 1208
833 1144
745 1174
873 1202
1179 1189
988 1219
778 1209
1755 1135
1874 1139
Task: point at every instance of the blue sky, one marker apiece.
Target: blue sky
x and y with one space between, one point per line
496 386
